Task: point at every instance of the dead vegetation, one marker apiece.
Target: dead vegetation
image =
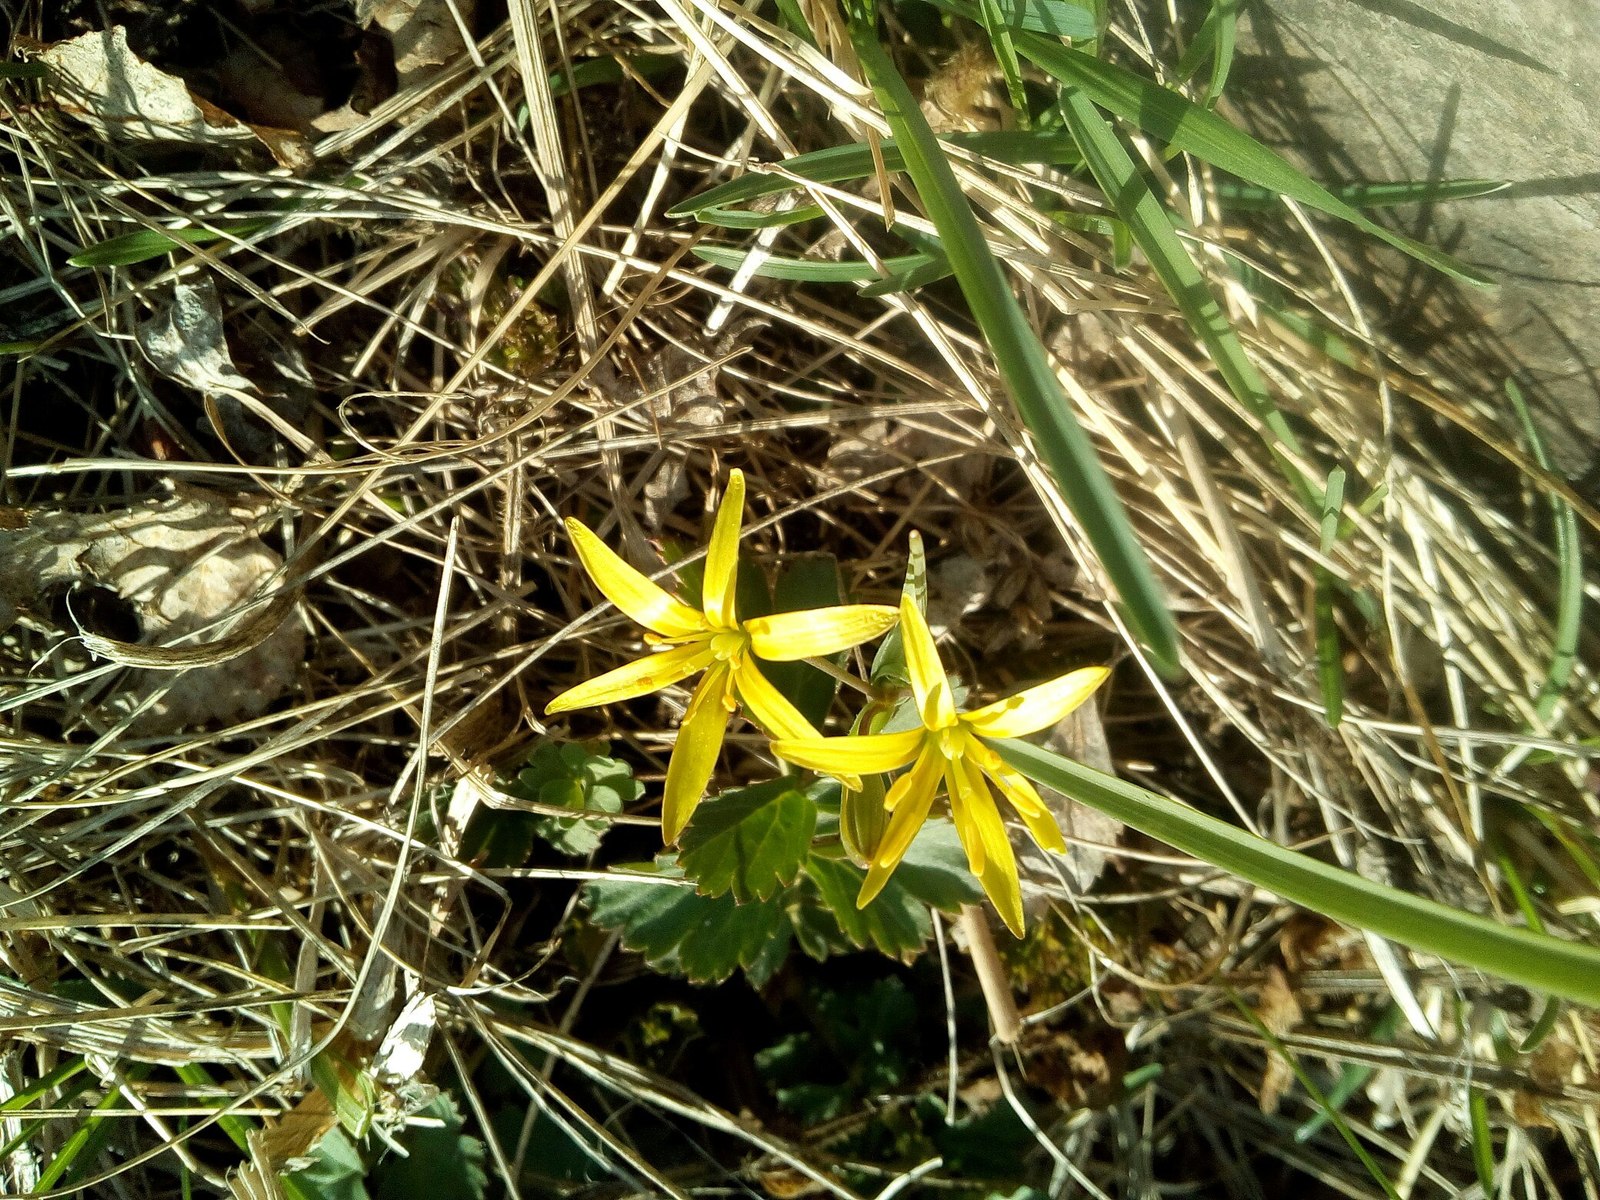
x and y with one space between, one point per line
435 308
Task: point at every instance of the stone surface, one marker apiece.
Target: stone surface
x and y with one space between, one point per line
1416 89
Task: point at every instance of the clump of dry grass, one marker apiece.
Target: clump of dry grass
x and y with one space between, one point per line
502 329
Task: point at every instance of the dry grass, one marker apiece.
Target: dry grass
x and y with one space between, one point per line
168 894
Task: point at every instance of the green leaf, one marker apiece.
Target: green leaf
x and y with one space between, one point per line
807 270
889 664
1185 126
749 841
935 871
575 775
704 938
1243 196
896 922
586 72
1569 560
1114 170
1057 18
336 1172
144 244
1213 42
440 1158
1024 367
1535 960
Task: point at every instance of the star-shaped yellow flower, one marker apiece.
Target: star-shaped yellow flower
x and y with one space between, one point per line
949 746
711 639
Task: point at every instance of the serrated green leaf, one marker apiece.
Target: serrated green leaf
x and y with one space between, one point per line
750 841
704 938
440 1158
576 775
895 922
336 1172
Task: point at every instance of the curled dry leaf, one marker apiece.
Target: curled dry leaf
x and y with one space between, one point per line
180 565
424 32
97 79
185 340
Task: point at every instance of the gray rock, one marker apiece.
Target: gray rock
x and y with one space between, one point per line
1417 89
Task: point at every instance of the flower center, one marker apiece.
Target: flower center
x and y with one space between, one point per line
951 741
729 645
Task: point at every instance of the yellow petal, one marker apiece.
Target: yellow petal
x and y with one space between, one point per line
857 754
1038 707
722 556
648 674
694 756
983 836
786 637
925 774
767 706
1022 797
903 826
629 590
1013 786
928 681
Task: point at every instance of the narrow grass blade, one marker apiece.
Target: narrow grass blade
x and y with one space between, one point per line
1353 1077
1021 359
145 244
841 164
1482 1139
1114 170
1214 43
236 1127
809 270
1535 960
1334 1116
1330 651
1183 125
1055 18
1243 196
1569 559
1005 53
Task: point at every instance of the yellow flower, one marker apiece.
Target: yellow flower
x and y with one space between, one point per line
950 746
711 639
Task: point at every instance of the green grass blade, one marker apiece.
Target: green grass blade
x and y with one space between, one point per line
1353 1077
841 164
1054 18
1330 650
1243 196
1482 1139
145 244
1314 1093
1569 559
1213 42
1114 170
810 270
1183 125
1535 960
1005 53
1023 365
